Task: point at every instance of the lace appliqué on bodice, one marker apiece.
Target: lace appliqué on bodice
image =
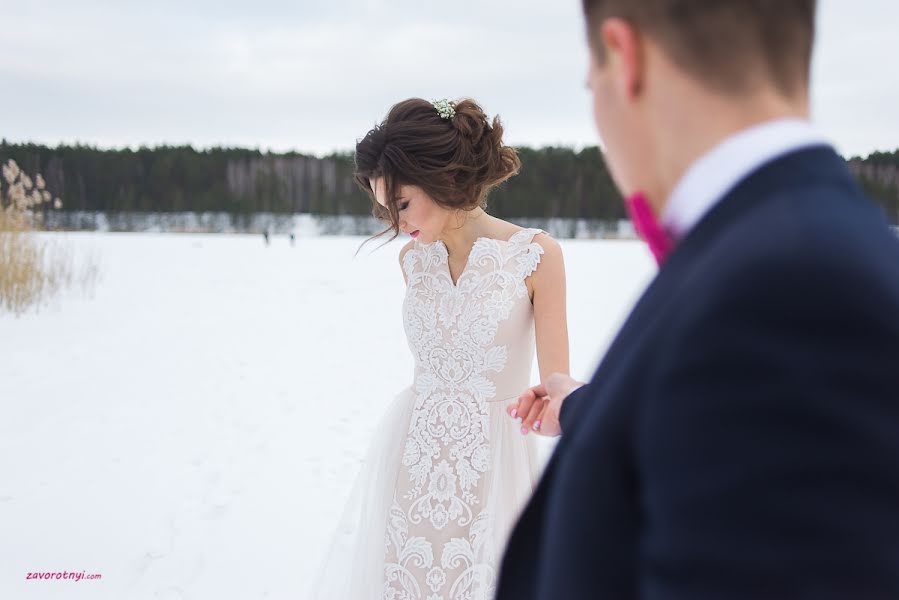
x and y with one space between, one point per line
451 329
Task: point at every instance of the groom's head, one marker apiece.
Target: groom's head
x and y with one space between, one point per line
689 66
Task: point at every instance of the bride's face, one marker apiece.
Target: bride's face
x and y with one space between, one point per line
419 215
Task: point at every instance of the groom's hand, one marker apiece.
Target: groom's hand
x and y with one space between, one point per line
538 407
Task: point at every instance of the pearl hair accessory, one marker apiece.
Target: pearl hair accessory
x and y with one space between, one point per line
444 108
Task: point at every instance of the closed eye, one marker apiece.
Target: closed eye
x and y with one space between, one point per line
404 206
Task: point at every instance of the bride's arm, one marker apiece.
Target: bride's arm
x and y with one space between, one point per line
551 328
550 318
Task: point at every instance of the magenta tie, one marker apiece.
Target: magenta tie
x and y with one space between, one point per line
648 228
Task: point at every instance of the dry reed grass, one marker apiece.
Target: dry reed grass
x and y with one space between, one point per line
33 269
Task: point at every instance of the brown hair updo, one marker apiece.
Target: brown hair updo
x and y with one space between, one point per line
456 161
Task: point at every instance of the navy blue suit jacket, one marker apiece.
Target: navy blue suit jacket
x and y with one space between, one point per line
740 439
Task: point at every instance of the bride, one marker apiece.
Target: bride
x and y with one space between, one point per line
448 472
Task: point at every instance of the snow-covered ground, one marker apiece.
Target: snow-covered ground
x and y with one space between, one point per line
191 430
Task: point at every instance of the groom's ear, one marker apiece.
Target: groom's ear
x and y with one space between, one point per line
619 51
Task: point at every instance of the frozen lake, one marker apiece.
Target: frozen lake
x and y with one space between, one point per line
192 429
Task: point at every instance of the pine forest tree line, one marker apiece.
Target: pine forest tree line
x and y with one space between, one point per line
554 182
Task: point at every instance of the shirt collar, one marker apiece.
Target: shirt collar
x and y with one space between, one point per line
720 169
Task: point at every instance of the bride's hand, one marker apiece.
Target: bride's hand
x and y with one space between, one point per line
539 406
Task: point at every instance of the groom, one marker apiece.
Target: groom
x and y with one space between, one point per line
740 439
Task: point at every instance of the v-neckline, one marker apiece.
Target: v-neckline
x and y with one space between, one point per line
449 272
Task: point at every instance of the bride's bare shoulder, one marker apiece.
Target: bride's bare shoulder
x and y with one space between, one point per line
504 230
542 238
550 245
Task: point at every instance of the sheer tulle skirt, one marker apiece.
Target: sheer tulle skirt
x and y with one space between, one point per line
353 564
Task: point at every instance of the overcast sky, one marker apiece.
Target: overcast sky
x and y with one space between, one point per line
315 76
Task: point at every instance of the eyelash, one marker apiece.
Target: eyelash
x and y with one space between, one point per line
404 206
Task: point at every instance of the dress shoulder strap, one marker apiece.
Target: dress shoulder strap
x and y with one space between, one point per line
525 236
527 252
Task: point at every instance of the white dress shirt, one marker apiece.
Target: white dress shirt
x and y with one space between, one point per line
720 169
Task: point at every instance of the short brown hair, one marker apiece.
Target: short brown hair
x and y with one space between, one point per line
456 161
723 43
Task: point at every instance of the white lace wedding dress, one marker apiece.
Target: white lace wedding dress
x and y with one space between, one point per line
448 471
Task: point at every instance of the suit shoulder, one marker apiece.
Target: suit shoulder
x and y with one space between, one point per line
806 238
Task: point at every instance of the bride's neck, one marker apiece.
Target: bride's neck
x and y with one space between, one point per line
460 234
